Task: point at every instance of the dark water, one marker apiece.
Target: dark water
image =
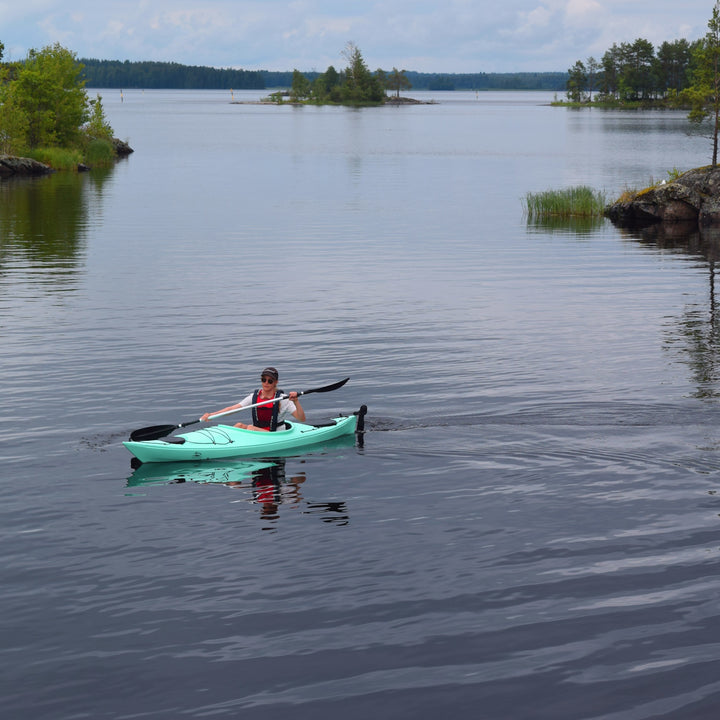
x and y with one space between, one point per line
531 528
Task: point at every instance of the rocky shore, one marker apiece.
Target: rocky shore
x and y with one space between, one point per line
693 198
11 166
21 167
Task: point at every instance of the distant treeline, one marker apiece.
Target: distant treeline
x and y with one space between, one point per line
489 81
162 75
454 81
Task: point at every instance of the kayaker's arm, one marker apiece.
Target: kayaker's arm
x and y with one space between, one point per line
206 416
299 413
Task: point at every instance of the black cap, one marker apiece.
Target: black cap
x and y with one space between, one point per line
270 371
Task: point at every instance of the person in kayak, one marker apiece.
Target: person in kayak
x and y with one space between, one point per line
268 416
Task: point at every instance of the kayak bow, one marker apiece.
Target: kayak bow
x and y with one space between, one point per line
226 441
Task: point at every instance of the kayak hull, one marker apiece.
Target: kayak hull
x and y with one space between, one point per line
226 441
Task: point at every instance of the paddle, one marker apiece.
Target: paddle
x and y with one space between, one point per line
155 432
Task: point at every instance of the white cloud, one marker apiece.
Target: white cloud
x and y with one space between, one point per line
426 35
539 17
583 10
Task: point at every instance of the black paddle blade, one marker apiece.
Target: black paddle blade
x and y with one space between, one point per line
361 413
152 433
155 432
326 388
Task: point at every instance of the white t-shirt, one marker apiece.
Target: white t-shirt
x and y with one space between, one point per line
287 407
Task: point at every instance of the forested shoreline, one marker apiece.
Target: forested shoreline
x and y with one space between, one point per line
166 75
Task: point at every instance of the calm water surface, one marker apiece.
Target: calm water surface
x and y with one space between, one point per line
531 528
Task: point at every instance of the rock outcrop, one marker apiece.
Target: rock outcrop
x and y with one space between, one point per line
22 167
693 197
122 149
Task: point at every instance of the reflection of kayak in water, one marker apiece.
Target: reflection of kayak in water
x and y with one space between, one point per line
199 472
266 479
225 441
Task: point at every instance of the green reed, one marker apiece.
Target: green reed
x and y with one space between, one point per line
581 201
57 158
99 153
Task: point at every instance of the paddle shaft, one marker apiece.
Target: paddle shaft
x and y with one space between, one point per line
271 401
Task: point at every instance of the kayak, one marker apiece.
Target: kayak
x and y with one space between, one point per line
226 441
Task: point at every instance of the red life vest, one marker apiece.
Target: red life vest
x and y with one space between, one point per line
266 415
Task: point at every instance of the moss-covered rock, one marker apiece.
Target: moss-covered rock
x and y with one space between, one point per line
692 197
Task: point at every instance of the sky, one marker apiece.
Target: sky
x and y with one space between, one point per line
432 36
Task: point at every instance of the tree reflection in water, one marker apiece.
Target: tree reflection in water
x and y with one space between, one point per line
43 226
699 326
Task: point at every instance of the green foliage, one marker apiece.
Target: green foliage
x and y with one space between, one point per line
577 83
99 153
52 95
45 112
361 87
14 124
156 75
673 65
451 81
300 88
581 201
633 74
441 82
144 74
356 85
397 80
703 96
630 71
97 126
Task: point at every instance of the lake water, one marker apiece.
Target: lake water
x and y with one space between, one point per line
531 528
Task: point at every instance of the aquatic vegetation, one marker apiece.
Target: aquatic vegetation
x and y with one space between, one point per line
580 201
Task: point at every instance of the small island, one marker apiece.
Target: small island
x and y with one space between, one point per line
355 86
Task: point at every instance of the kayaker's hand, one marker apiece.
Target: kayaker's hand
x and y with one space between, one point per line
204 418
293 396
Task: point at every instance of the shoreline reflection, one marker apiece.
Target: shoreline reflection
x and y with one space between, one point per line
44 224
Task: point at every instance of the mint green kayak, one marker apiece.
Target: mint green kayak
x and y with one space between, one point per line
226 441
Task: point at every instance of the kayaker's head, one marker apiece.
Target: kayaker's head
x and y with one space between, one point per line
269 376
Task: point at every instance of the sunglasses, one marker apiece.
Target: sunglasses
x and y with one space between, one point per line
268 380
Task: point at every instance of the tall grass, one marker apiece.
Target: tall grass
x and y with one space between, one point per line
99 153
94 152
57 158
581 201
